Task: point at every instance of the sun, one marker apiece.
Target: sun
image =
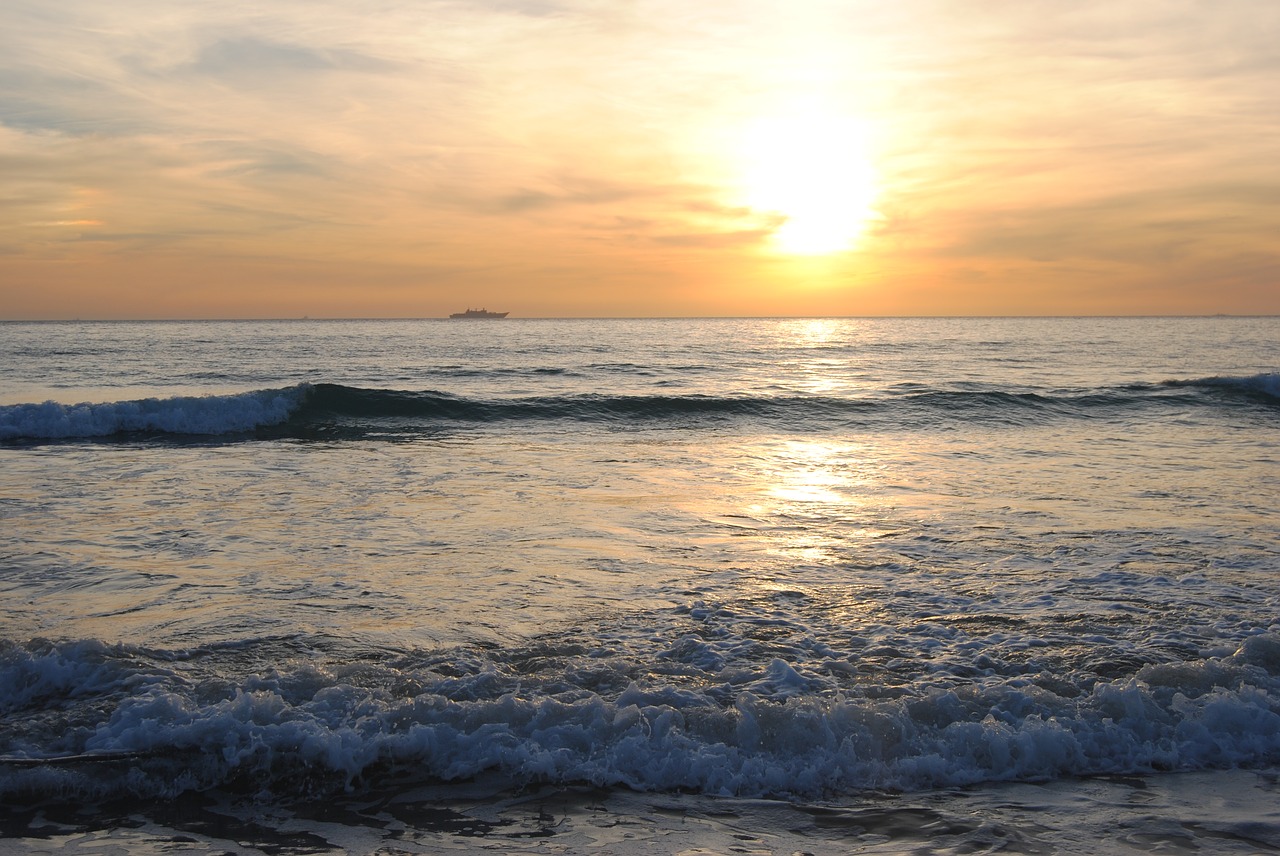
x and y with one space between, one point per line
814 171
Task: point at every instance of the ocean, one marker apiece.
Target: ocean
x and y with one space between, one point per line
641 586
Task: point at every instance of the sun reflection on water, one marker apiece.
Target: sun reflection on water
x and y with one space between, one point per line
811 499
820 368
807 471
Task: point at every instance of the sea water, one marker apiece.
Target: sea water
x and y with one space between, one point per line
702 581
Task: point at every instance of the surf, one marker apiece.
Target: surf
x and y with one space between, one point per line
351 412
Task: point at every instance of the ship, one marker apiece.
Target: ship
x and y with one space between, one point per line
478 313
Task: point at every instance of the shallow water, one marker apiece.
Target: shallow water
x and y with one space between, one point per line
1219 812
805 561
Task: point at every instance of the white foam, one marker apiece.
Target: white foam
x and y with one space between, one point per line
195 415
1267 383
316 728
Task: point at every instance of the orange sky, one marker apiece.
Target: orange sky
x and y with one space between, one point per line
602 158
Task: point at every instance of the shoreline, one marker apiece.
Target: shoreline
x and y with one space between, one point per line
1225 811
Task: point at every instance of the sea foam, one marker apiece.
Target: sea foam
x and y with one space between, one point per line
307 730
190 415
1266 383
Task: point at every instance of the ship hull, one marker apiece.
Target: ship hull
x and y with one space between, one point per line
474 314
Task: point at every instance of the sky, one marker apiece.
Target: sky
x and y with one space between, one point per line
595 158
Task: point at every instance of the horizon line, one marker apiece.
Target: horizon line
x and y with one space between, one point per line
281 318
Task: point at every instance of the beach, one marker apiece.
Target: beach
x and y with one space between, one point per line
1219 812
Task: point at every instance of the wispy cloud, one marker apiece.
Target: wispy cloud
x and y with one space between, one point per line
246 59
585 141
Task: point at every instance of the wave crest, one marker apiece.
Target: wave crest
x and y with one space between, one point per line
336 410
208 415
1265 384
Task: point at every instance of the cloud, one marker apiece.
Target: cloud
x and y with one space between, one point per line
714 240
576 136
264 159
567 191
49 103
1155 227
244 58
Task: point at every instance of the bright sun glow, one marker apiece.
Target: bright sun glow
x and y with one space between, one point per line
815 171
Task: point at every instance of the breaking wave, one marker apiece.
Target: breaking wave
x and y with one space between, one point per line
324 409
86 718
207 415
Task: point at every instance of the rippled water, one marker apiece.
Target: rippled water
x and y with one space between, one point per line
764 558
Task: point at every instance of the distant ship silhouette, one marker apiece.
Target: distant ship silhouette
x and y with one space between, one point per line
478 313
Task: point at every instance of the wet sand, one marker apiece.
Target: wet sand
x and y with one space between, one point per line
1213 812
